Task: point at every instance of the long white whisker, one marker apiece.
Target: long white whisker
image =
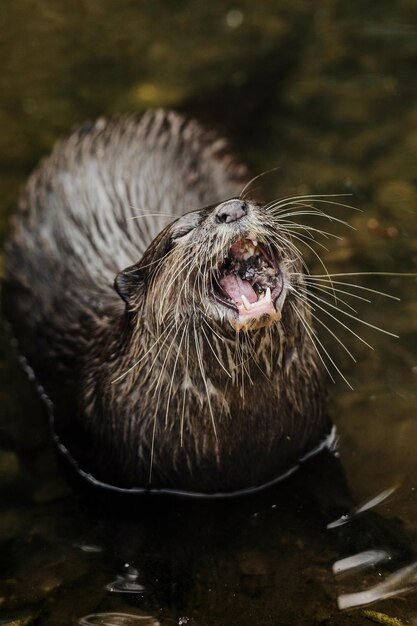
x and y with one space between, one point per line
144 355
288 226
317 318
135 208
312 341
158 388
315 198
138 217
332 361
317 256
357 319
312 211
174 369
339 322
254 179
400 274
322 281
326 288
203 376
214 354
184 394
338 298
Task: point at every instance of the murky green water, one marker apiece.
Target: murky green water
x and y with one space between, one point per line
325 91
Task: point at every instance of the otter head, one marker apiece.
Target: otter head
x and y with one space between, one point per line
228 262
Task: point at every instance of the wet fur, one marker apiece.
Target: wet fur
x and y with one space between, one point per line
150 374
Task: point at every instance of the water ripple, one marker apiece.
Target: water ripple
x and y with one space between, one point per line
127 582
118 619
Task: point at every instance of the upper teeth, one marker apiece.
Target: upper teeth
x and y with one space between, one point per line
248 251
249 247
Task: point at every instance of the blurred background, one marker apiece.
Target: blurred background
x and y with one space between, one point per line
324 91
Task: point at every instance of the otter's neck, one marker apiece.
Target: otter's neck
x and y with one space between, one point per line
187 397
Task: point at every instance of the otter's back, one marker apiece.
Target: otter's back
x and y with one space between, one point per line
92 208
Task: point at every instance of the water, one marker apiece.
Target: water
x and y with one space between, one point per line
326 92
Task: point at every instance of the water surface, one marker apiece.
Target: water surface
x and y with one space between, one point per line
326 93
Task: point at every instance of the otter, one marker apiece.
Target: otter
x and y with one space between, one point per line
159 308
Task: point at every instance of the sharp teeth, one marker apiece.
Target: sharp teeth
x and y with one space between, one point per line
246 302
265 298
248 252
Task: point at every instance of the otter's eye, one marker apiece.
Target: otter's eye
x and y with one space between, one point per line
184 225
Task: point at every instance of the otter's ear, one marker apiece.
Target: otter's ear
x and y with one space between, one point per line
128 284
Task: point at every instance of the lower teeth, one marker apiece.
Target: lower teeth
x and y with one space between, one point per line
264 299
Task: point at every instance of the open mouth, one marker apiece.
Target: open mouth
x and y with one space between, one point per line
249 282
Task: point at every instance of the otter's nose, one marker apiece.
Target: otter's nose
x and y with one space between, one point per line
231 211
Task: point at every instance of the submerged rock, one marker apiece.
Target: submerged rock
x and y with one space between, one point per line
9 467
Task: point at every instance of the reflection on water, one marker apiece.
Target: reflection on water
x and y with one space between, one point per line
91 549
360 561
361 508
118 619
326 92
402 581
127 582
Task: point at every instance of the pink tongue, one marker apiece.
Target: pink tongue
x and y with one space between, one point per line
234 286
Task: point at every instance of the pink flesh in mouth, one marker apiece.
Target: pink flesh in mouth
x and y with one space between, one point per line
247 266
235 287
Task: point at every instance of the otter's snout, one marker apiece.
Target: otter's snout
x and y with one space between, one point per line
231 211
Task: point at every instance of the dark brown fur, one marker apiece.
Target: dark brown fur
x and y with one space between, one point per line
153 377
